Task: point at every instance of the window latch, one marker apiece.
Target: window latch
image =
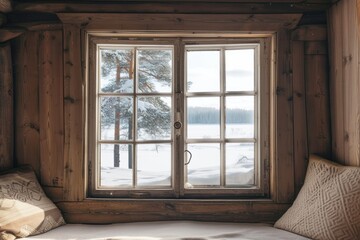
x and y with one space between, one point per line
189 157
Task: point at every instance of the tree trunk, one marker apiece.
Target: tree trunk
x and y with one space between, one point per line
130 153
117 120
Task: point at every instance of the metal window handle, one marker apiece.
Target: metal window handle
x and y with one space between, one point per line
177 125
189 157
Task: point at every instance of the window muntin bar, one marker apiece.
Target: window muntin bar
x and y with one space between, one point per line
234 188
124 98
226 98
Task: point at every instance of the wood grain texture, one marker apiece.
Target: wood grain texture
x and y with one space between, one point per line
56 194
6 109
109 211
316 48
336 83
7 34
40 26
317 105
346 77
51 116
73 109
26 78
345 84
198 22
175 7
284 122
352 83
310 33
301 153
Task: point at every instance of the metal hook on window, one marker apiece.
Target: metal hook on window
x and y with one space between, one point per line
189 158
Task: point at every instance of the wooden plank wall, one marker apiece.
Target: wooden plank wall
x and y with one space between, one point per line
312 133
74 99
6 109
284 124
27 130
39 130
345 81
49 85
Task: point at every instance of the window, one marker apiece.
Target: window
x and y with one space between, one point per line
178 117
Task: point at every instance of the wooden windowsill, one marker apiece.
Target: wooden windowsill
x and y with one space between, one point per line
102 211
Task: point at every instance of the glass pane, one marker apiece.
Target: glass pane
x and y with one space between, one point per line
204 167
154 165
203 116
203 71
240 117
154 118
116 118
240 67
154 70
116 165
116 70
240 164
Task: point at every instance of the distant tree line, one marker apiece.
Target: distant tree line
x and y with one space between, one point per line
205 115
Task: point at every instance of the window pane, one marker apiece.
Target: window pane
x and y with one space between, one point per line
204 167
239 70
203 71
240 164
116 165
154 70
116 118
154 165
240 117
154 118
203 116
117 70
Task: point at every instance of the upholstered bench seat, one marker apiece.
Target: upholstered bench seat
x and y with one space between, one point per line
174 230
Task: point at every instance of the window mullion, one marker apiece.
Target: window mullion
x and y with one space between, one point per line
178 112
222 120
134 120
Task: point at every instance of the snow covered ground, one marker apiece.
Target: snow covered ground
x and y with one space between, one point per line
154 161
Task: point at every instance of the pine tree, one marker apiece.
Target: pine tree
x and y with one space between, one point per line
117 67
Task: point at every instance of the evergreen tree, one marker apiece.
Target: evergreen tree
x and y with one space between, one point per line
117 68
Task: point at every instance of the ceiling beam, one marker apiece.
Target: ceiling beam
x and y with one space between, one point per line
160 6
179 22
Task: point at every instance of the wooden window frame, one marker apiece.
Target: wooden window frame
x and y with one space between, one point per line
76 204
263 172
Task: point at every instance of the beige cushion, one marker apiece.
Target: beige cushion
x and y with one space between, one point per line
328 205
24 208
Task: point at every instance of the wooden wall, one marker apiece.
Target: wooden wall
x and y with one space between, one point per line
6 108
39 111
311 116
344 41
49 125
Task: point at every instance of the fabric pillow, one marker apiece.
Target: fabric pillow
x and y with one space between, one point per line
328 205
24 208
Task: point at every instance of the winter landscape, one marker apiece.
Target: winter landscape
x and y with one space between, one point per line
152 79
154 162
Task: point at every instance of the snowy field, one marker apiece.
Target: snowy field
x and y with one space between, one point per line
154 161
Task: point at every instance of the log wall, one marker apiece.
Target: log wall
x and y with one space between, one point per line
344 19
39 110
49 128
311 114
6 109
